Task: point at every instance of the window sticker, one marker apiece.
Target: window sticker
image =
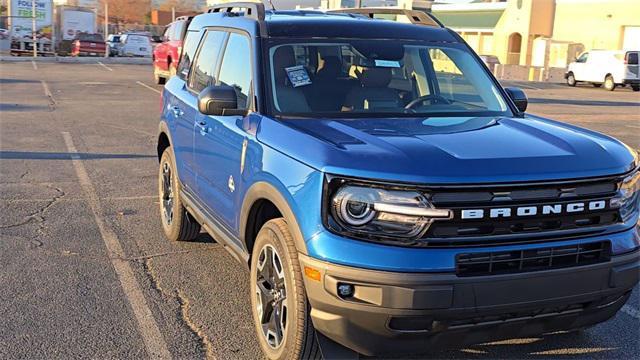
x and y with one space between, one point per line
298 76
387 63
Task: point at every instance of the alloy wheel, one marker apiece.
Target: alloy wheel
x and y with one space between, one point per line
271 296
167 194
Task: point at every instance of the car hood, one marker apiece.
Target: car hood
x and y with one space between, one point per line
448 150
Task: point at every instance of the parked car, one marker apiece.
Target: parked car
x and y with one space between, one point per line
611 68
388 197
491 61
113 44
86 44
4 34
167 53
135 45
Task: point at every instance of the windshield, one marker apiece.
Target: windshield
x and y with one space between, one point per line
360 78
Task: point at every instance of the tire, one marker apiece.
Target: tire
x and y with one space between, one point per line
609 84
571 80
635 87
159 80
296 338
177 223
596 85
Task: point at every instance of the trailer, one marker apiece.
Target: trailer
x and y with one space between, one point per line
70 21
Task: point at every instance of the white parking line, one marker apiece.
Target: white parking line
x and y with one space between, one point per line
148 87
153 340
47 93
35 66
104 66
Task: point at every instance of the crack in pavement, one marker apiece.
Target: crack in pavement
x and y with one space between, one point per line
39 216
184 305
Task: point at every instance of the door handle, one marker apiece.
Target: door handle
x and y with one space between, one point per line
177 112
202 125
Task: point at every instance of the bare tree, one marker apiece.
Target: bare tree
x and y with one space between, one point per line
181 5
127 11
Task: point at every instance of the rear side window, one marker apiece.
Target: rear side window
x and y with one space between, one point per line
178 29
236 68
168 32
188 52
632 58
204 67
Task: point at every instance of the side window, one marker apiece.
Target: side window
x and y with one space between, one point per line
206 61
236 68
188 52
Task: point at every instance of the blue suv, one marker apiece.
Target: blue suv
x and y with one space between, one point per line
385 192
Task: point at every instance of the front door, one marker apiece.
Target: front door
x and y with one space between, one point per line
219 143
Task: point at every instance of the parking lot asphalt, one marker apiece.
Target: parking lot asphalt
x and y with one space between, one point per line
85 270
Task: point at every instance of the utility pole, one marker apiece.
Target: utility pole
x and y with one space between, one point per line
33 28
106 26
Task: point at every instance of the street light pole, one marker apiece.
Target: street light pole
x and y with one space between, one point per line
33 28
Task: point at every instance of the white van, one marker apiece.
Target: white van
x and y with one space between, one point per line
135 45
611 68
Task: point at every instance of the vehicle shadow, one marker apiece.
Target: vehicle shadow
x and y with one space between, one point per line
582 102
31 155
16 81
23 108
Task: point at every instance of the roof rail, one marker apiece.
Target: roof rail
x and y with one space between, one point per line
415 16
253 10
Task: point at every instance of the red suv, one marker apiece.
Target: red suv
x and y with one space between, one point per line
167 53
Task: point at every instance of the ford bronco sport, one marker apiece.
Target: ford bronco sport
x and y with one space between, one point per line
385 192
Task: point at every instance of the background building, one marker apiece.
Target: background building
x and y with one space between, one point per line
543 33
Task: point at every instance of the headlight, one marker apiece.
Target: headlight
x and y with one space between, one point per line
371 212
628 197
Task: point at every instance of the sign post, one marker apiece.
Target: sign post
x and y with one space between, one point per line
34 30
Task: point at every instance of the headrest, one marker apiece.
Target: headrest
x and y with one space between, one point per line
283 58
375 77
330 67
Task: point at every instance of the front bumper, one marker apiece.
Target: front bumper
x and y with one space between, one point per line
395 313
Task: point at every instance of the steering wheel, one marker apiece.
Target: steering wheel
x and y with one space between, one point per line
432 98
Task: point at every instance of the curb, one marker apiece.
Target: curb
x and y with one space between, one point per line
77 60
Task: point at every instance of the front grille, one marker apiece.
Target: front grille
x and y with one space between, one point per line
518 261
464 232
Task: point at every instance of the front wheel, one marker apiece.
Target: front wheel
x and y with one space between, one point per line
571 80
159 80
635 87
609 84
278 300
177 223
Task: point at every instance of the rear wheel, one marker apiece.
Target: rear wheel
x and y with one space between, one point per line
571 80
177 223
279 303
609 84
157 78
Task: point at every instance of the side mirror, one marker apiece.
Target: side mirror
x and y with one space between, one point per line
218 100
519 98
